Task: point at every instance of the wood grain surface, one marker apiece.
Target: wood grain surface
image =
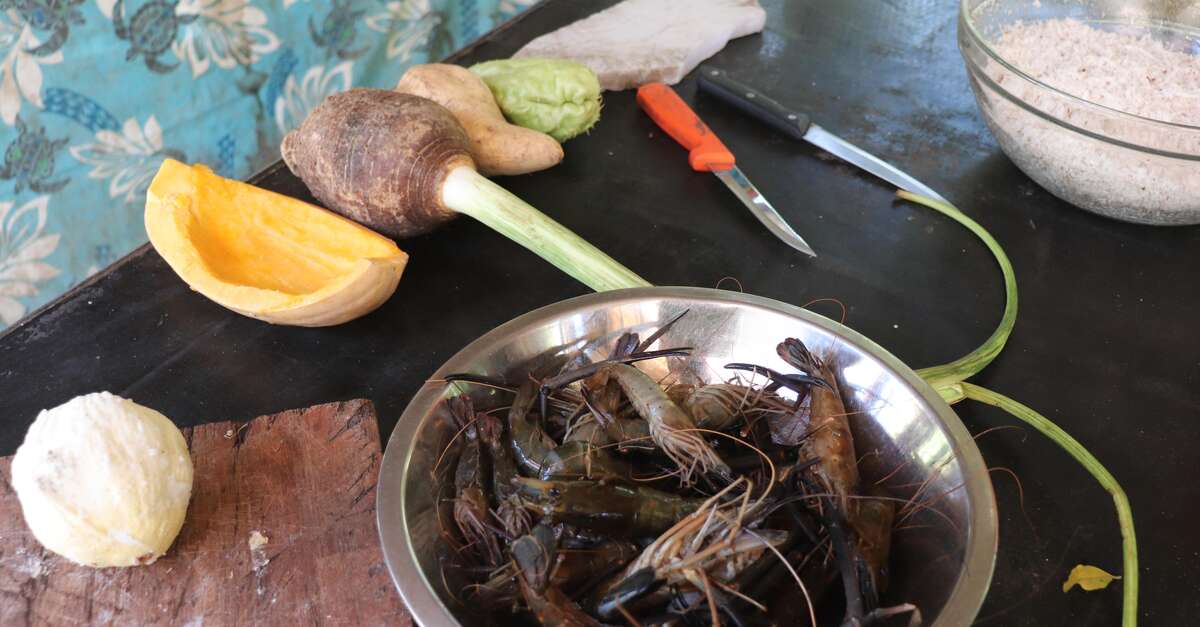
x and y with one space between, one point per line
304 479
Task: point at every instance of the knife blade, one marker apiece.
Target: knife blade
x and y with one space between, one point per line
758 205
797 125
706 153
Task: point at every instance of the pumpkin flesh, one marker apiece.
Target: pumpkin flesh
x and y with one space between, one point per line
267 255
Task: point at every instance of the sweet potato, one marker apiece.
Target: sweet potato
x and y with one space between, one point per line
498 148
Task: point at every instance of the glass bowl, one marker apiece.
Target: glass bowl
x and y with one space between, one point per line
907 436
1095 157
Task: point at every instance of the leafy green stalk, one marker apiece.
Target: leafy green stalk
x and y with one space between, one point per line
949 381
466 191
1081 455
978 359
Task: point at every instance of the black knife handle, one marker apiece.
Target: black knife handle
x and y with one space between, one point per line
752 102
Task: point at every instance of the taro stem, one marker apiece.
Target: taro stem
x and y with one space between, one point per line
1072 446
468 192
948 380
978 359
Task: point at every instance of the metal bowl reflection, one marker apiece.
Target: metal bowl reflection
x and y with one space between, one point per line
942 561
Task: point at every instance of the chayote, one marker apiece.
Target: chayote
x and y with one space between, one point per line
558 97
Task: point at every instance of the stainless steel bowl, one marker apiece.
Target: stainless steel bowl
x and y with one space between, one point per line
942 562
1095 157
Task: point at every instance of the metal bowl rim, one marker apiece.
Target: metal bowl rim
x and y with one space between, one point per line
427 607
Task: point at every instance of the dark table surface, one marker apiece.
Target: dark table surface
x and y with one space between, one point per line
1105 344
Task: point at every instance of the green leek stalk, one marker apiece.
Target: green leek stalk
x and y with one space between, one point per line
978 359
949 381
465 191
1081 455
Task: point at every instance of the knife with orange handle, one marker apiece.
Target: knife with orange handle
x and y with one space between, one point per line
706 153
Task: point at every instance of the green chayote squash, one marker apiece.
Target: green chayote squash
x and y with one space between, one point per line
558 97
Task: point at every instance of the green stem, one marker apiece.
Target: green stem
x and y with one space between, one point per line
1124 514
468 192
970 364
949 381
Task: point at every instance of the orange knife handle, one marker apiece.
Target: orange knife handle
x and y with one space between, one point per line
671 113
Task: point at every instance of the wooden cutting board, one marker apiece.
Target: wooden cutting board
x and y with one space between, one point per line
303 479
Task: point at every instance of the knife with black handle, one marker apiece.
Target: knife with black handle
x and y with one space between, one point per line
797 125
718 83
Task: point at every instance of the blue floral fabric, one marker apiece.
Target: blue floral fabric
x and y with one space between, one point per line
94 94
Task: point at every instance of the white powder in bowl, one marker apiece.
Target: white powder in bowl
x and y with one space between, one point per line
1135 74
1130 73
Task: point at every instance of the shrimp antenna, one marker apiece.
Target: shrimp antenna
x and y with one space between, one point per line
566 378
467 377
661 330
798 383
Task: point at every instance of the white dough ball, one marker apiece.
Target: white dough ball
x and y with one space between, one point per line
103 481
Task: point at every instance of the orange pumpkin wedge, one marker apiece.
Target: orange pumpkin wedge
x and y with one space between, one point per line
266 255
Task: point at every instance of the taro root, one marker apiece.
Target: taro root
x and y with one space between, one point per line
379 158
401 165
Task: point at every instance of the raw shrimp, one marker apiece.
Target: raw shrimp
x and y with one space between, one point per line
714 541
505 502
830 439
535 555
588 429
672 429
552 503
471 513
872 524
538 456
583 460
618 510
717 406
529 444
625 433
578 569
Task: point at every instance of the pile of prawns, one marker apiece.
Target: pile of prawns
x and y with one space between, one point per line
609 498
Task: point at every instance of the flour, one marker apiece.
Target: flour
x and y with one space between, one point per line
259 559
1135 74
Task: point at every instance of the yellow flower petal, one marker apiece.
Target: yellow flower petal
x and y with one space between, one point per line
1089 578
